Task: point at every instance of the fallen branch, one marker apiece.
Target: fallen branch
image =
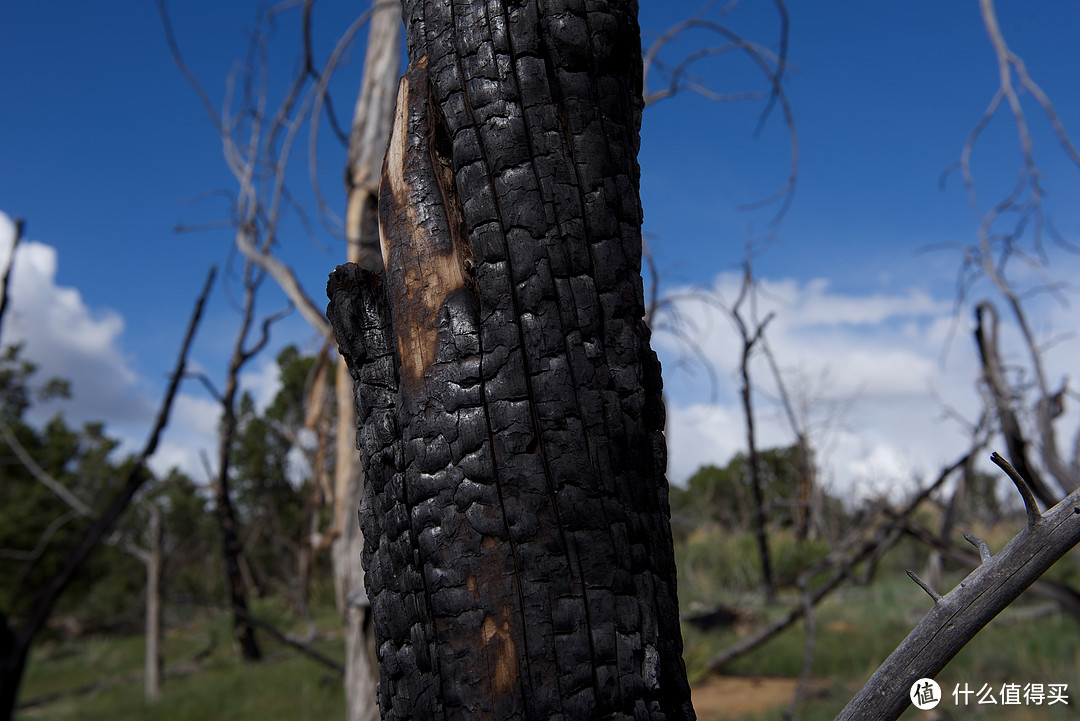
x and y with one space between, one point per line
290 640
964 611
286 638
887 535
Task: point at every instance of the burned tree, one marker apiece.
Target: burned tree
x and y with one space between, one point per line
518 553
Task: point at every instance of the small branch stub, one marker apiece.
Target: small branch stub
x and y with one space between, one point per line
984 550
1033 514
924 586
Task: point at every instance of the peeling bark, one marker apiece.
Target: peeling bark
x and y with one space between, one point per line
518 551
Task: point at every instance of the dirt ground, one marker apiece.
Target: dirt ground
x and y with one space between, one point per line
721 698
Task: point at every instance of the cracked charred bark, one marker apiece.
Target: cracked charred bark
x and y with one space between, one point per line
518 552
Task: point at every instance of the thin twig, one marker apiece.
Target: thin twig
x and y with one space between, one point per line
984 550
58 488
771 65
924 586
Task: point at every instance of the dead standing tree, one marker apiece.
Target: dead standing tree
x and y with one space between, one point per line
16 638
750 338
367 144
1013 231
258 154
517 544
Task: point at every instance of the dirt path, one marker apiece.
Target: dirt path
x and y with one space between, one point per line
721 698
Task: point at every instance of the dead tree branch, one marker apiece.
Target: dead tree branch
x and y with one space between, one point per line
20 228
257 147
1003 395
16 644
962 612
772 65
1065 597
1013 229
849 554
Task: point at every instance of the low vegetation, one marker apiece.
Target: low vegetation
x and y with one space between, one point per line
855 628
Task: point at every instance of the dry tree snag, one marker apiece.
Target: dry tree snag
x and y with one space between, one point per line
518 551
965 610
15 638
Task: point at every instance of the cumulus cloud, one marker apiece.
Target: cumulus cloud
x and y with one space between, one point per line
64 337
68 339
263 382
865 370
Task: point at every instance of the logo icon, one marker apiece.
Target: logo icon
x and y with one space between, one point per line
925 694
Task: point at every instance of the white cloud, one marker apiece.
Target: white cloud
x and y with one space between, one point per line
65 338
263 383
192 431
867 369
68 339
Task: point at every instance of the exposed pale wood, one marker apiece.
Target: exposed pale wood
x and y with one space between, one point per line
517 544
367 145
155 660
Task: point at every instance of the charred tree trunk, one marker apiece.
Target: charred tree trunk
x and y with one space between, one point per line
986 322
230 546
13 652
243 631
367 145
518 551
807 483
754 467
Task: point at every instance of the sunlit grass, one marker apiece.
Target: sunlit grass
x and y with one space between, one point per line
284 685
857 627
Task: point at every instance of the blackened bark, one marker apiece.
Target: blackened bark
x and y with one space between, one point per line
226 516
805 484
754 463
230 541
13 653
518 551
367 146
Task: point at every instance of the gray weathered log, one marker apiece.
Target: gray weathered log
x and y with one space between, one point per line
518 551
965 610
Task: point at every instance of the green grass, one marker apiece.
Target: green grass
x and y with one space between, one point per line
285 685
857 627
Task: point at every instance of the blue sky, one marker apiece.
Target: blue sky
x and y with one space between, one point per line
103 145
